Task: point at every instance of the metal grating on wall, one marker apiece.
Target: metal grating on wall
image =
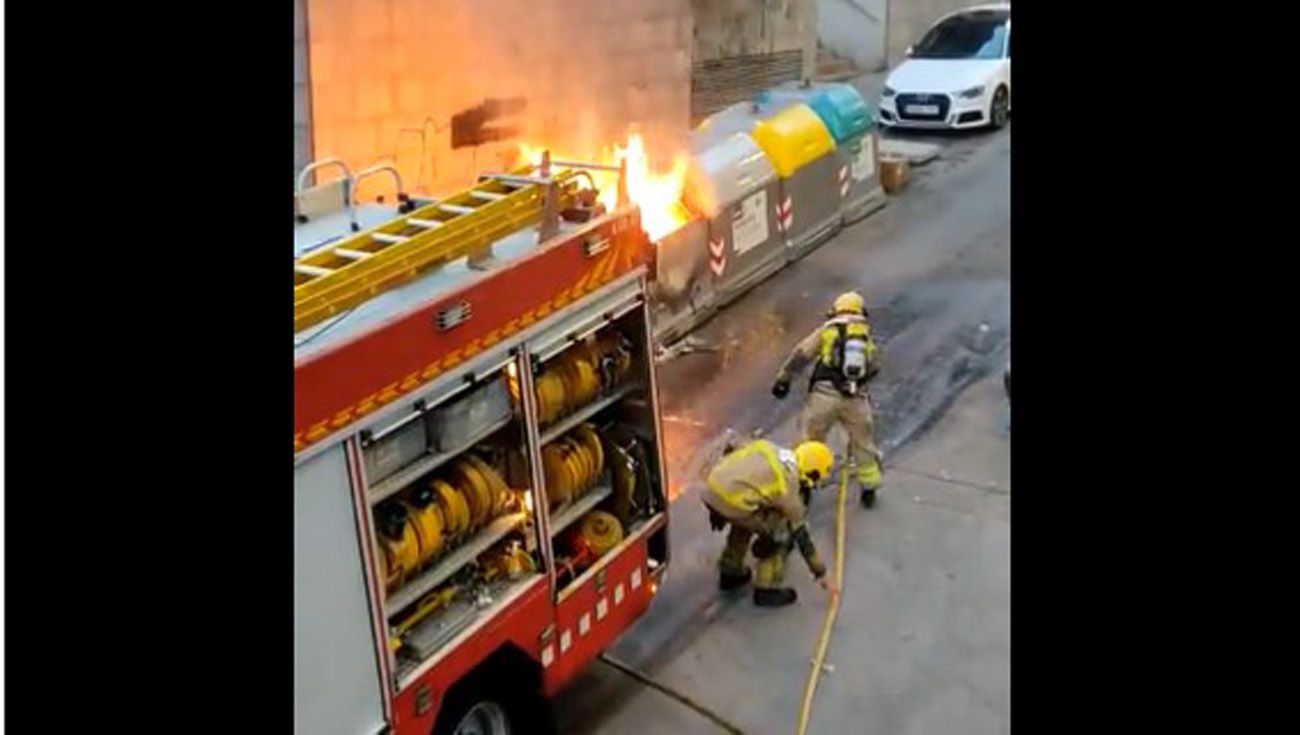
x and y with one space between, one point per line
717 83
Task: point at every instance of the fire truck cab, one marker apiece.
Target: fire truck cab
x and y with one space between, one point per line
479 483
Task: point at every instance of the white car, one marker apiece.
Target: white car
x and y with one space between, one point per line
957 76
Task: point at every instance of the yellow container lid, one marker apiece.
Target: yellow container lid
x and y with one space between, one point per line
793 138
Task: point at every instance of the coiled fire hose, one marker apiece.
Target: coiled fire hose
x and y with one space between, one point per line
832 609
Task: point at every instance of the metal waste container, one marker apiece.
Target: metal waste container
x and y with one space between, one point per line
849 121
802 151
733 185
682 291
721 125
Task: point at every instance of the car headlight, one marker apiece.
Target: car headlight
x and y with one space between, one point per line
972 93
889 92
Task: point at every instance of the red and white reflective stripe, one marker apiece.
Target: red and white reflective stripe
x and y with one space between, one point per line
598 612
844 181
717 255
785 215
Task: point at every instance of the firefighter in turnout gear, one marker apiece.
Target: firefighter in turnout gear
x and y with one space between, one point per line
761 491
844 358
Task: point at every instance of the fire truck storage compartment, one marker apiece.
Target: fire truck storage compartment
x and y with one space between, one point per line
601 473
735 187
459 422
848 118
802 151
454 533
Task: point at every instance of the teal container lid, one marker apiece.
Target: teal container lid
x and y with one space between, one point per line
839 105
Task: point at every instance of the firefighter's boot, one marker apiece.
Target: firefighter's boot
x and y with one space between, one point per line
774 596
768 591
868 476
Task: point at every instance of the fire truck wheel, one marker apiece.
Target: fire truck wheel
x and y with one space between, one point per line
484 718
480 708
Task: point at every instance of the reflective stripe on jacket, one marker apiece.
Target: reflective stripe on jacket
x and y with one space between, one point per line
756 477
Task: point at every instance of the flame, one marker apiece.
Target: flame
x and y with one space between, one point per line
658 194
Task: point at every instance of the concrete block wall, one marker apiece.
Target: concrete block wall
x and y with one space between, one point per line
301 92
855 30
387 75
860 30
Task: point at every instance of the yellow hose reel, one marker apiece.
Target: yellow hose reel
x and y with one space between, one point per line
415 530
482 487
452 505
577 377
427 522
399 543
572 464
500 491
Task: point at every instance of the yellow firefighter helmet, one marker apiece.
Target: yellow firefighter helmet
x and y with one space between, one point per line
815 461
849 302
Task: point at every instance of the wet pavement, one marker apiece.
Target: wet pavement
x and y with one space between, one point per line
922 643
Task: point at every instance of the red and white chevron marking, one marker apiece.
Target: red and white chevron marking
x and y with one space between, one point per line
844 181
601 609
785 215
717 255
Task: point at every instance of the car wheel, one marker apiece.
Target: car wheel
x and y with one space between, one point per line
1000 108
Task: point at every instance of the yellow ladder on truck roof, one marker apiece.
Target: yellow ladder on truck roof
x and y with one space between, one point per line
343 274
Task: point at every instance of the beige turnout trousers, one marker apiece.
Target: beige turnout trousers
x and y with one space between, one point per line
827 407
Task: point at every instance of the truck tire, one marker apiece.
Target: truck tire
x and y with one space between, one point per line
484 709
484 717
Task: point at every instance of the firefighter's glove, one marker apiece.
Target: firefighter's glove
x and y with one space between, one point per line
716 522
782 388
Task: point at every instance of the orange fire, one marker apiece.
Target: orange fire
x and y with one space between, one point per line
657 194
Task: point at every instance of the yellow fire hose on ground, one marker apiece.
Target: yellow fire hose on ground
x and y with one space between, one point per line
832 609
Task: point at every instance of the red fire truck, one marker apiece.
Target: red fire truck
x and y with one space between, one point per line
479 489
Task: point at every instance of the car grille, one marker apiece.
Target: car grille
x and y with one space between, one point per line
939 100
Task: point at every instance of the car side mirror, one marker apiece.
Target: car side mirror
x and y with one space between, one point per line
908 52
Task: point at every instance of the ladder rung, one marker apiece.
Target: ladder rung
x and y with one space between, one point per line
516 181
455 208
385 237
311 270
487 196
427 224
353 254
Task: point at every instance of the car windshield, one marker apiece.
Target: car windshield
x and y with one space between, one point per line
973 36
